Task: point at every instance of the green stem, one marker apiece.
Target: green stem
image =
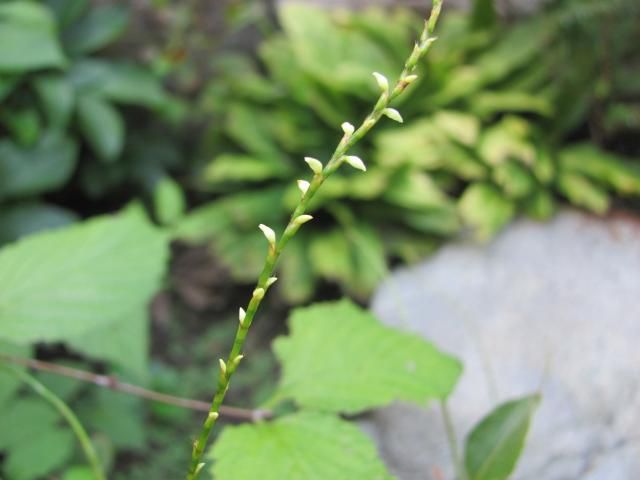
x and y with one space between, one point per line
67 413
461 472
337 159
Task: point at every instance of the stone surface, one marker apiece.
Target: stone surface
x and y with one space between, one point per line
551 307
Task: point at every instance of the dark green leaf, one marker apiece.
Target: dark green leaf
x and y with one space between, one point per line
98 28
494 446
57 98
102 127
169 201
43 168
28 39
22 219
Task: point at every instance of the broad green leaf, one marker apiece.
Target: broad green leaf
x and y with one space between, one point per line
119 82
330 256
413 189
128 345
339 358
98 28
45 167
117 415
57 99
319 41
486 209
494 446
297 280
22 219
47 451
79 472
514 179
9 384
487 104
583 192
309 446
8 83
62 284
483 14
28 39
67 11
617 172
540 205
169 201
250 128
243 168
509 139
23 123
460 127
102 126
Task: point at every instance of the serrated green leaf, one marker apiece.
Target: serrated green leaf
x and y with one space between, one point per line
28 39
62 284
28 171
339 358
494 446
309 446
98 28
486 209
102 127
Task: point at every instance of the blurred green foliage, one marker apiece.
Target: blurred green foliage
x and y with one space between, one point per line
488 118
63 129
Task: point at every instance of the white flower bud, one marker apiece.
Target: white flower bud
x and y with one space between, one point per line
299 220
198 469
303 185
236 361
241 315
269 233
348 129
271 281
223 366
355 162
314 164
382 81
258 293
409 79
213 416
393 114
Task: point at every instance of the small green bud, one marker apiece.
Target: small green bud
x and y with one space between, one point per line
382 81
241 315
223 367
258 293
213 416
409 79
369 122
303 185
348 129
299 220
269 233
271 281
355 162
199 469
314 164
393 114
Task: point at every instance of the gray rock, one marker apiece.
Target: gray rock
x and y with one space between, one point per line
550 307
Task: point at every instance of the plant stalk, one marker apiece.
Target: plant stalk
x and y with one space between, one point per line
461 472
349 139
67 413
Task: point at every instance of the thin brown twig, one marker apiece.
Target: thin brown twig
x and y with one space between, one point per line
111 382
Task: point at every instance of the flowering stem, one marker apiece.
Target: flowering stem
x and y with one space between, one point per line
350 138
